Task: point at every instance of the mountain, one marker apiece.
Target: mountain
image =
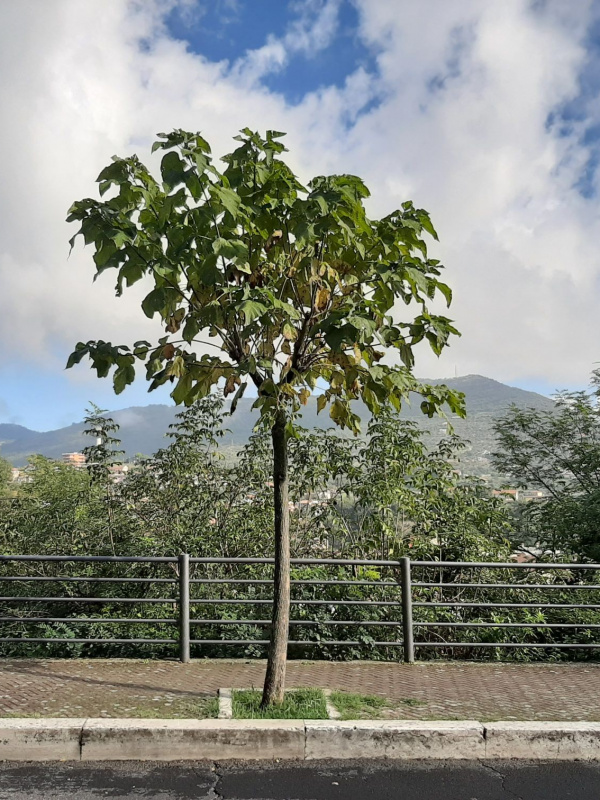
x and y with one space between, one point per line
143 428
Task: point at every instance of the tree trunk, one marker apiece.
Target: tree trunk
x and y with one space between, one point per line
275 677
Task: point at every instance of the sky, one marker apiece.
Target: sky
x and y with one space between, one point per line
485 113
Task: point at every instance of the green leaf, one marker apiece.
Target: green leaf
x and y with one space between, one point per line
80 351
237 397
123 377
365 324
208 273
117 172
228 199
172 169
191 329
322 204
230 248
252 310
445 290
153 302
182 389
105 253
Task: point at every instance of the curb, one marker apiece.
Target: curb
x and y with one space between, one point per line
296 740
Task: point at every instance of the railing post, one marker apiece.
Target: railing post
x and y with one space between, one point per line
407 620
184 608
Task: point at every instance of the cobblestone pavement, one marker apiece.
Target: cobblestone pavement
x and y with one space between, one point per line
122 688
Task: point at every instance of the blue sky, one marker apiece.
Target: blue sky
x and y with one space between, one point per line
224 31
489 119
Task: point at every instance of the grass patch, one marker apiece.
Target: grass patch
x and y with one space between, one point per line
358 706
297 704
367 706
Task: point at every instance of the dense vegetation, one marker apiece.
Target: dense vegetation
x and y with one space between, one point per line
380 498
557 451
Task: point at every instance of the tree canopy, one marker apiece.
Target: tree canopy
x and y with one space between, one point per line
559 452
296 285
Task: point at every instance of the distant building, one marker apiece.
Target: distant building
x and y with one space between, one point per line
526 495
508 494
520 495
20 475
74 459
118 472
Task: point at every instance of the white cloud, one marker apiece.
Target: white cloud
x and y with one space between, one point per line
463 94
311 31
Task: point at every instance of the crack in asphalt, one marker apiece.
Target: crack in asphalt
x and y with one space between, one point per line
502 777
213 792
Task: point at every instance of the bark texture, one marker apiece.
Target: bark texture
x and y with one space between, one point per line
276 664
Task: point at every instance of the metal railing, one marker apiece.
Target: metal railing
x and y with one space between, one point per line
373 595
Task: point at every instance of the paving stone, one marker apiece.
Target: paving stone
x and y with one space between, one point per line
123 687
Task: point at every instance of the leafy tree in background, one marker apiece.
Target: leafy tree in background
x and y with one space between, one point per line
54 510
557 451
105 452
295 286
173 496
100 457
5 475
405 498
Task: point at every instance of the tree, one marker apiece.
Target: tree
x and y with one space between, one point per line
5 475
406 498
557 451
104 453
101 456
55 509
295 286
175 494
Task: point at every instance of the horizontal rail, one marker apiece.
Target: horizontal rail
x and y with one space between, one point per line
307 622
79 579
294 642
524 645
90 620
458 604
88 641
503 565
334 562
309 561
295 602
358 562
504 625
96 559
438 585
88 599
296 581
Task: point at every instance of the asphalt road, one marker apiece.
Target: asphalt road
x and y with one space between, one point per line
493 780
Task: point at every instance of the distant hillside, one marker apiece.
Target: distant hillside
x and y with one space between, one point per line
143 428
487 396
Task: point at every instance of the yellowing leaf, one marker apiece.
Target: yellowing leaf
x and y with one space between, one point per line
230 384
322 299
289 332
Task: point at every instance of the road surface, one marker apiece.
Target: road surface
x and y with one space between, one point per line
324 781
